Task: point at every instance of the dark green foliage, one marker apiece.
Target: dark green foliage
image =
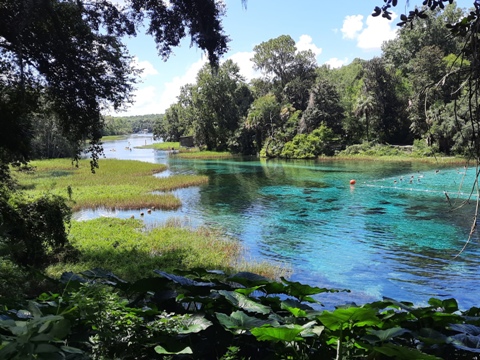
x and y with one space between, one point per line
323 107
125 125
65 59
210 110
33 232
206 315
290 73
303 146
387 119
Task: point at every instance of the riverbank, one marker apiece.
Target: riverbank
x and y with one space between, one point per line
132 250
378 153
127 247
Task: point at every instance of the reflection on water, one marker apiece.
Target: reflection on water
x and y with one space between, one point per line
392 234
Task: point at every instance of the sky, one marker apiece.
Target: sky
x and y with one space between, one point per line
336 31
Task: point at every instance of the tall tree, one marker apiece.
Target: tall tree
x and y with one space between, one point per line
70 54
385 86
364 109
263 118
323 107
289 72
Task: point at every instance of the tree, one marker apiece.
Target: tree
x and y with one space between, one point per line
389 112
274 58
364 108
289 72
263 117
69 53
309 146
429 31
323 107
63 60
170 126
218 104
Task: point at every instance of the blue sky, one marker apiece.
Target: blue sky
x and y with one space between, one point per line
336 31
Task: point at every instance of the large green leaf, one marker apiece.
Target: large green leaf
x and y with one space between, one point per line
400 304
7 350
71 350
239 321
465 328
354 316
466 342
403 353
431 336
312 331
46 348
194 324
279 333
173 349
300 312
448 305
181 280
249 279
301 291
388 334
248 291
243 302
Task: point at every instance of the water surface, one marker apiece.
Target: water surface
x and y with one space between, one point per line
395 233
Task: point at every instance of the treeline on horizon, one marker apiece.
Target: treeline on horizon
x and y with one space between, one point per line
125 125
416 91
49 143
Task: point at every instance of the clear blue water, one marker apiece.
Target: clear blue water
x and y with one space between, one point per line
392 234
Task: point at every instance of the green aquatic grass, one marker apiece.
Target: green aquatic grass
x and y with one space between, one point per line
113 137
161 146
131 251
205 154
191 153
117 184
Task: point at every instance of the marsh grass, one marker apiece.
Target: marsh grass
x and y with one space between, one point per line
117 184
205 154
161 146
113 137
190 153
128 249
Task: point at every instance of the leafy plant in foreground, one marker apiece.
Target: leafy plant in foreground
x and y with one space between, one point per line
202 314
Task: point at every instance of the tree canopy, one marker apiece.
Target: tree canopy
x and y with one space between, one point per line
66 57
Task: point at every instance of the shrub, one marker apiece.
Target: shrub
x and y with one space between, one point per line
421 149
309 146
33 232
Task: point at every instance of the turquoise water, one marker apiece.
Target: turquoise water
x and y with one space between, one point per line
393 233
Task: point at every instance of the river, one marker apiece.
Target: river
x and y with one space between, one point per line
396 232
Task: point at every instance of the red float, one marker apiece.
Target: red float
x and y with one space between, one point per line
352 182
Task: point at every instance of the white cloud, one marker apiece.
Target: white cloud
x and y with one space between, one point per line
376 31
335 63
150 100
306 43
146 66
172 88
242 59
352 25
